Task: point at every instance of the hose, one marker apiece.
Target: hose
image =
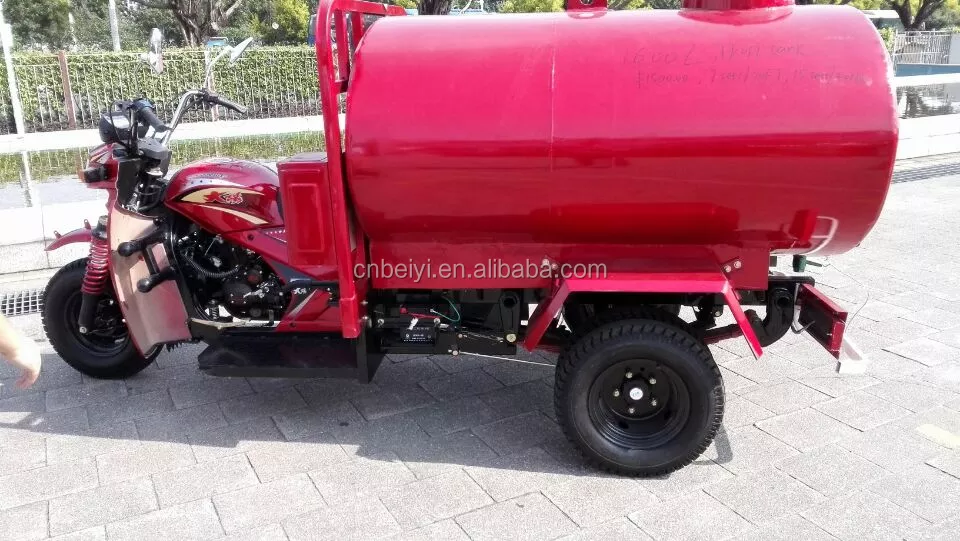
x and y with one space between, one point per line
209 273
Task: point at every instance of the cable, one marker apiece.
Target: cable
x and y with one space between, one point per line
831 264
455 311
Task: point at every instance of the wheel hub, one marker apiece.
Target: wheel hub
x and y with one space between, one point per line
640 402
637 391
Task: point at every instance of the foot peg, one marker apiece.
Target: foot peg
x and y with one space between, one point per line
130 247
152 281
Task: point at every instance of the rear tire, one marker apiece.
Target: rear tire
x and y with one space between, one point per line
583 317
639 397
107 352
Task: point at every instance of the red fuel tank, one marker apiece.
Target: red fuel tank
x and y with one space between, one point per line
768 128
225 194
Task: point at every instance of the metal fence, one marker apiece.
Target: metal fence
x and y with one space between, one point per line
922 47
69 91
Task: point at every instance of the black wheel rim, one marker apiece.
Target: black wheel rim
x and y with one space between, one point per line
108 335
639 404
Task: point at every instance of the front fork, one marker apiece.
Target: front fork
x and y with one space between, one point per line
96 276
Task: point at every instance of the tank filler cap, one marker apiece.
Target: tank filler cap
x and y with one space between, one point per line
585 5
728 5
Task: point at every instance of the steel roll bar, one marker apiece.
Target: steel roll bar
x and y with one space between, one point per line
333 81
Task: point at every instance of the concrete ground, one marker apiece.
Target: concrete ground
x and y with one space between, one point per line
465 448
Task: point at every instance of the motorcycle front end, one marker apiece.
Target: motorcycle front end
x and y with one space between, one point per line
89 307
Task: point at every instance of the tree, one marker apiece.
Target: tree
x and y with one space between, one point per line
531 6
198 19
290 18
434 7
914 14
626 4
39 23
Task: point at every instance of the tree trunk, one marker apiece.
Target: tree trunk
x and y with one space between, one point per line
434 7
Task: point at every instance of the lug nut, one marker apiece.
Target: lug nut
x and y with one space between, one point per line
653 381
616 393
629 375
631 411
654 402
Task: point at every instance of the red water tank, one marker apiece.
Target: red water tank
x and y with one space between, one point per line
761 128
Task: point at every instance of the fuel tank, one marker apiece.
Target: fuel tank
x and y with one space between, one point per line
769 126
225 194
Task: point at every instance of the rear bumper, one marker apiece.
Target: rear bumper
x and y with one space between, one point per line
822 319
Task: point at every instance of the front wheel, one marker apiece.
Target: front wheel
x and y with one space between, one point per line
106 351
639 397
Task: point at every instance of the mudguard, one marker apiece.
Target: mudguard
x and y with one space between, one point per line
82 234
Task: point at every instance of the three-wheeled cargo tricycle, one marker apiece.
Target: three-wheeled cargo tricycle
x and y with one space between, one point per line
570 181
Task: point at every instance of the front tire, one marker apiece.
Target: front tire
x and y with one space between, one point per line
106 352
639 397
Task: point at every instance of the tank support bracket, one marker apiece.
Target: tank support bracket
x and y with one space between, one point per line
645 282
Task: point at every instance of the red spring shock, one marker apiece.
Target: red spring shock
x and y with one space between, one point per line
95 276
97 273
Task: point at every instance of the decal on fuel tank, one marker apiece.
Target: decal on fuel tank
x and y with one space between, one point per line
213 198
227 196
230 198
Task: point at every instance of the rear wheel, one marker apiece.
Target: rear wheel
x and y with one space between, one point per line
106 351
639 397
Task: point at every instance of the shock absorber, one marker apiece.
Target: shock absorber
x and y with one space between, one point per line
96 275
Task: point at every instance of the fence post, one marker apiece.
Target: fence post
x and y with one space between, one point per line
6 39
207 58
26 179
67 91
114 27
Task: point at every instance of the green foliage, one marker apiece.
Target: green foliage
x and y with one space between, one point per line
914 14
56 164
290 17
531 6
39 23
888 35
270 81
629 4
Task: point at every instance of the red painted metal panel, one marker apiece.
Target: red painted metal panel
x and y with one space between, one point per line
493 265
311 312
693 281
824 320
306 203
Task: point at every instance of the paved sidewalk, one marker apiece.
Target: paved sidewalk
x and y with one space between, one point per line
462 448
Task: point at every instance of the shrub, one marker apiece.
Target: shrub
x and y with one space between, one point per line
270 81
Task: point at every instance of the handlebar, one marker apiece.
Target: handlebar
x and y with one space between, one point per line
217 99
146 113
191 98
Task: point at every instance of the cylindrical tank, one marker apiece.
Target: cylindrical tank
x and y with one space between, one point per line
762 128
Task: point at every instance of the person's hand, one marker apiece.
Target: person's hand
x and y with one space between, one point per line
26 357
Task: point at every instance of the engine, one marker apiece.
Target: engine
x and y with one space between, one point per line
228 278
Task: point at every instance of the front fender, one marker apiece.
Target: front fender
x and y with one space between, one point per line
83 234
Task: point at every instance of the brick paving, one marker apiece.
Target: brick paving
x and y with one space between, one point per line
468 448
